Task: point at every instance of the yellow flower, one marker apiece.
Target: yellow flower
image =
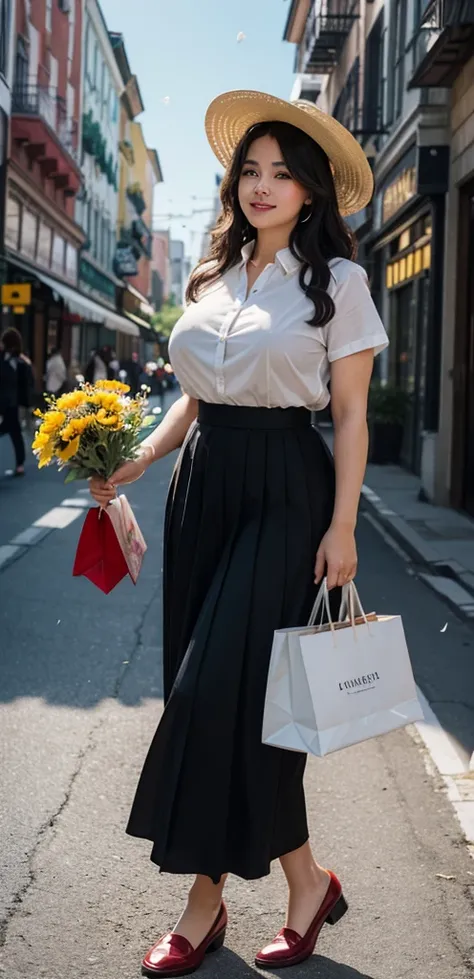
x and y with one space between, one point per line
72 400
38 413
111 402
69 451
111 421
76 427
53 421
45 456
112 386
41 439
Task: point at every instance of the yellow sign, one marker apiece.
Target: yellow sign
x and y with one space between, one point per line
19 309
18 294
399 193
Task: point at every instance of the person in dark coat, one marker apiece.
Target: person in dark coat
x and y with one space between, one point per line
16 390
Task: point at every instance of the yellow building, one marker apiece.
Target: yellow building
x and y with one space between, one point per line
139 173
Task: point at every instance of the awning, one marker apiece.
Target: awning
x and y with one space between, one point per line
90 310
137 319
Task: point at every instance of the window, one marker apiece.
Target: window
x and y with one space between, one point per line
71 262
347 107
45 235
49 16
95 233
12 222
29 232
59 246
399 40
374 80
21 65
95 73
4 35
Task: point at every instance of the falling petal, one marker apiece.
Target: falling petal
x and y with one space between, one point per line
444 627
241 37
166 100
446 876
59 620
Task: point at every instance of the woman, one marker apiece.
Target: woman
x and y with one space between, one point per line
254 516
16 391
56 373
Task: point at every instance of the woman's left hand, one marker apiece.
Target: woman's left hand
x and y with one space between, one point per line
336 557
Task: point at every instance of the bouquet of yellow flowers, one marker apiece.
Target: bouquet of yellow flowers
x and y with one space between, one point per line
92 430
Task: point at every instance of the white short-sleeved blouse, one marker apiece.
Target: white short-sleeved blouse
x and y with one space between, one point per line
260 350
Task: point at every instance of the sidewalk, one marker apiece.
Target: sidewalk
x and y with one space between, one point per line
440 540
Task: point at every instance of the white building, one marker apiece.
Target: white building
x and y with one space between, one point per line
97 212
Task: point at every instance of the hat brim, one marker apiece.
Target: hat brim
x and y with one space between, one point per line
230 115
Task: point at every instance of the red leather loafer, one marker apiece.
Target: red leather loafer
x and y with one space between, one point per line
289 948
173 955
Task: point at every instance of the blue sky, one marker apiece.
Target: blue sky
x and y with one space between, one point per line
187 50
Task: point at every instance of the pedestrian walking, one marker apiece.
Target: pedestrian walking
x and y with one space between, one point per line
56 373
256 514
16 391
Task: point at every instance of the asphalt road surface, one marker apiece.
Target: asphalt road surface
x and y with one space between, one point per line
80 690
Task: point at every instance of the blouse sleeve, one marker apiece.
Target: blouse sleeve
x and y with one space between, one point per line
356 324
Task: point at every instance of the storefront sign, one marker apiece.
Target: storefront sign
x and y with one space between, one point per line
17 294
95 282
398 193
125 263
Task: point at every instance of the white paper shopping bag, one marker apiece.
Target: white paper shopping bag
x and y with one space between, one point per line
335 685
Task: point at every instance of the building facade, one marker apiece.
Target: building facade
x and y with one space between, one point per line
139 172
7 35
42 238
369 58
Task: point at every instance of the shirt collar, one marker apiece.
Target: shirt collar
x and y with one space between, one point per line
284 258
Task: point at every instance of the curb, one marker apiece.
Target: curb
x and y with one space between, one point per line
443 577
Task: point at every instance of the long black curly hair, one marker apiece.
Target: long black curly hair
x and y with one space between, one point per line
314 242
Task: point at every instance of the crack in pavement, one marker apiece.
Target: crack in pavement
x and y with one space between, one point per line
138 644
48 828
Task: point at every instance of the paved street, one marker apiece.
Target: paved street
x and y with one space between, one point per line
80 699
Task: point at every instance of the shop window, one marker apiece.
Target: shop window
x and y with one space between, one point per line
389 276
71 262
404 240
418 257
403 269
12 223
409 265
45 235
59 246
427 257
29 233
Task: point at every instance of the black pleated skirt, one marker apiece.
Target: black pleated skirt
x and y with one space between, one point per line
251 496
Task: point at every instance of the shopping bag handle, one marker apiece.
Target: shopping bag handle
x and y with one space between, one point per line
321 603
350 607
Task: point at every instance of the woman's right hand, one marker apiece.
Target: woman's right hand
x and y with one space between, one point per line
103 491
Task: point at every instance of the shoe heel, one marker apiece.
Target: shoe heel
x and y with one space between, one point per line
338 911
217 943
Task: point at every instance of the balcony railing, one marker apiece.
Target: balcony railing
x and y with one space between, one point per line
444 42
36 101
327 29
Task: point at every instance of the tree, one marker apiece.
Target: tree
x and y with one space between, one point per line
164 321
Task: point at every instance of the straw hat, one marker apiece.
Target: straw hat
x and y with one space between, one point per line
230 115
